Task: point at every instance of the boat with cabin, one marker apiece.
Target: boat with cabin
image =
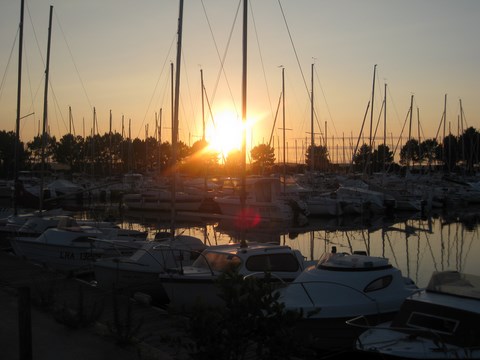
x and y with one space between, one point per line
439 322
339 287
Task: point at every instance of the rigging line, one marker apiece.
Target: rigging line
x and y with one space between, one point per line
261 60
440 125
401 133
394 105
55 100
35 35
140 129
8 63
326 103
33 95
418 121
358 139
294 49
73 60
212 118
275 119
187 84
222 59
378 122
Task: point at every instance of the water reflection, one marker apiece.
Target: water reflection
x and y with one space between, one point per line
415 244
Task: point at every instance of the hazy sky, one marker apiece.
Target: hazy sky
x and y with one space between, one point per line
116 54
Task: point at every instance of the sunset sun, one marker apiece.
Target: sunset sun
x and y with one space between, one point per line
226 134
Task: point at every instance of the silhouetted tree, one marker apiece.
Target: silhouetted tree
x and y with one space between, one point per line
469 148
202 159
382 158
234 163
410 152
263 158
35 148
321 157
362 160
450 152
428 151
7 153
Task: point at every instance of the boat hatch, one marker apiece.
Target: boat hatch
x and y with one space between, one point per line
436 323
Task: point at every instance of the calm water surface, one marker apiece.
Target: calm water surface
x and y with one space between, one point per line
417 245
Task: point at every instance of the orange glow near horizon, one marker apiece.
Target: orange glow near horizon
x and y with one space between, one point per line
226 135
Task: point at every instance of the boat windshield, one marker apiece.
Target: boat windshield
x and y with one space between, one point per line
455 283
217 261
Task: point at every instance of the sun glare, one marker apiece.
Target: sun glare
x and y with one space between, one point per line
226 135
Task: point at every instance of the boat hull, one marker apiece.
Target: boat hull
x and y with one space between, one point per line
76 258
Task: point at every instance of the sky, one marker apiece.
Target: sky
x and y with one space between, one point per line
115 56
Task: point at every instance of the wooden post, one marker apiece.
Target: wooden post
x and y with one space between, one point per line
24 324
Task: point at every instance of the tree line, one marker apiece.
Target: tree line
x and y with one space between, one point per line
111 154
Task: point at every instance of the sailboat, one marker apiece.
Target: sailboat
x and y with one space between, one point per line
142 270
261 199
26 188
168 199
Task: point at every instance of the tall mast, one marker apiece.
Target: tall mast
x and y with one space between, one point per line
410 154
203 106
45 109
243 194
312 136
175 112
444 134
370 140
243 191
371 109
160 141
17 123
284 150
384 127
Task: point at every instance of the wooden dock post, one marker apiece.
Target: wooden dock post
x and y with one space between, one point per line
24 324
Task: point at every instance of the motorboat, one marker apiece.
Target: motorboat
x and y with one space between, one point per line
139 272
326 204
162 200
193 285
73 248
35 225
440 322
264 202
339 287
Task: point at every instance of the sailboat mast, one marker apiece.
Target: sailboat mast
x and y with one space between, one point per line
203 106
312 134
284 142
17 122
371 109
175 110
410 153
45 108
384 126
243 194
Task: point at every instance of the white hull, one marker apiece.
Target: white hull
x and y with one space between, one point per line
140 271
439 322
341 287
69 250
276 211
323 206
184 202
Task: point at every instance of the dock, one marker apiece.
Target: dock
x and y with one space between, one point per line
127 325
